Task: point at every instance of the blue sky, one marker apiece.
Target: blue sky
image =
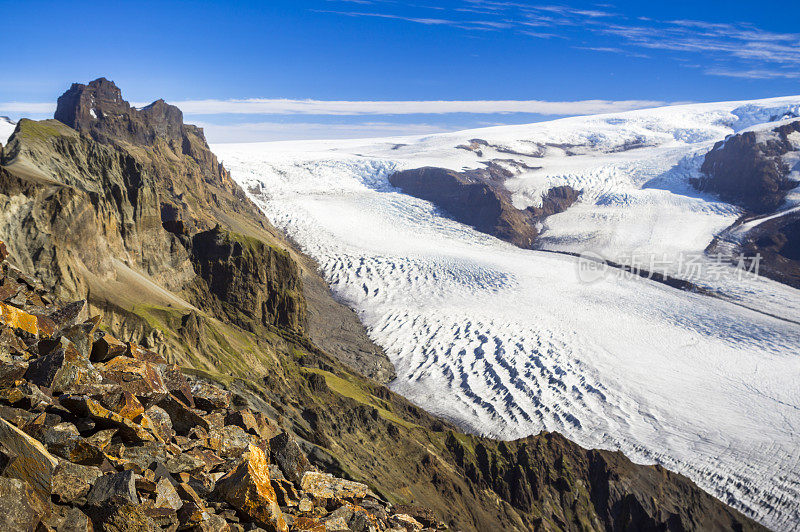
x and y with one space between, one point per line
338 68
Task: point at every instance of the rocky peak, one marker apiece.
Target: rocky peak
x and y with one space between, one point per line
99 110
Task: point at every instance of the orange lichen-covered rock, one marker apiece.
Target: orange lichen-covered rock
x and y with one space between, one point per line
247 488
19 319
326 486
87 407
138 377
30 461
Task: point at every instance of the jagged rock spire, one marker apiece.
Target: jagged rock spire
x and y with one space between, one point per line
99 110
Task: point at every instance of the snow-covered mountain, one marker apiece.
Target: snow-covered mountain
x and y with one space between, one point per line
508 342
6 128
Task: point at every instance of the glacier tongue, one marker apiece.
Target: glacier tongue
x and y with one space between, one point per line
508 342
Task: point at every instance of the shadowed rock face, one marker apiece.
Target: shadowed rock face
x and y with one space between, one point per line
254 282
777 242
98 111
749 172
479 199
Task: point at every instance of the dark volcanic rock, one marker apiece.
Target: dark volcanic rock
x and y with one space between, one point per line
116 488
776 240
289 457
20 507
71 519
124 518
778 243
72 482
750 172
210 397
99 110
478 198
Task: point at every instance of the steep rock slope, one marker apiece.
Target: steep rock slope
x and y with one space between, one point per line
124 254
748 168
256 284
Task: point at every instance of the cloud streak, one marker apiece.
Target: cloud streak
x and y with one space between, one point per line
27 108
738 50
271 131
257 106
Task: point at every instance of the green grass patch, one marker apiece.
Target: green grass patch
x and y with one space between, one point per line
40 130
348 388
165 319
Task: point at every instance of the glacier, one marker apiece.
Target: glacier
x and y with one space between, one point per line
507 342
6 129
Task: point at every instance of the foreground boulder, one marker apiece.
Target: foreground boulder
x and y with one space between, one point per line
28 460
20 506
248 489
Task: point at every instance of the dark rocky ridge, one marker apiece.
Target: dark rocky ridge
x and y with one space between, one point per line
776 241
125 257
478 198
99 110
750 173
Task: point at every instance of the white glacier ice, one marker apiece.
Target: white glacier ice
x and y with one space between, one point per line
508 342
6 129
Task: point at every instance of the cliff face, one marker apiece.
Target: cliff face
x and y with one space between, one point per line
188 175
479 199
81 206
256 284
99 110
119 213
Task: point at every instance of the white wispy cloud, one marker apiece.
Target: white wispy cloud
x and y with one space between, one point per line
27 108
355 108
741 50
428 21
283 106
612 50
269 131
753 74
